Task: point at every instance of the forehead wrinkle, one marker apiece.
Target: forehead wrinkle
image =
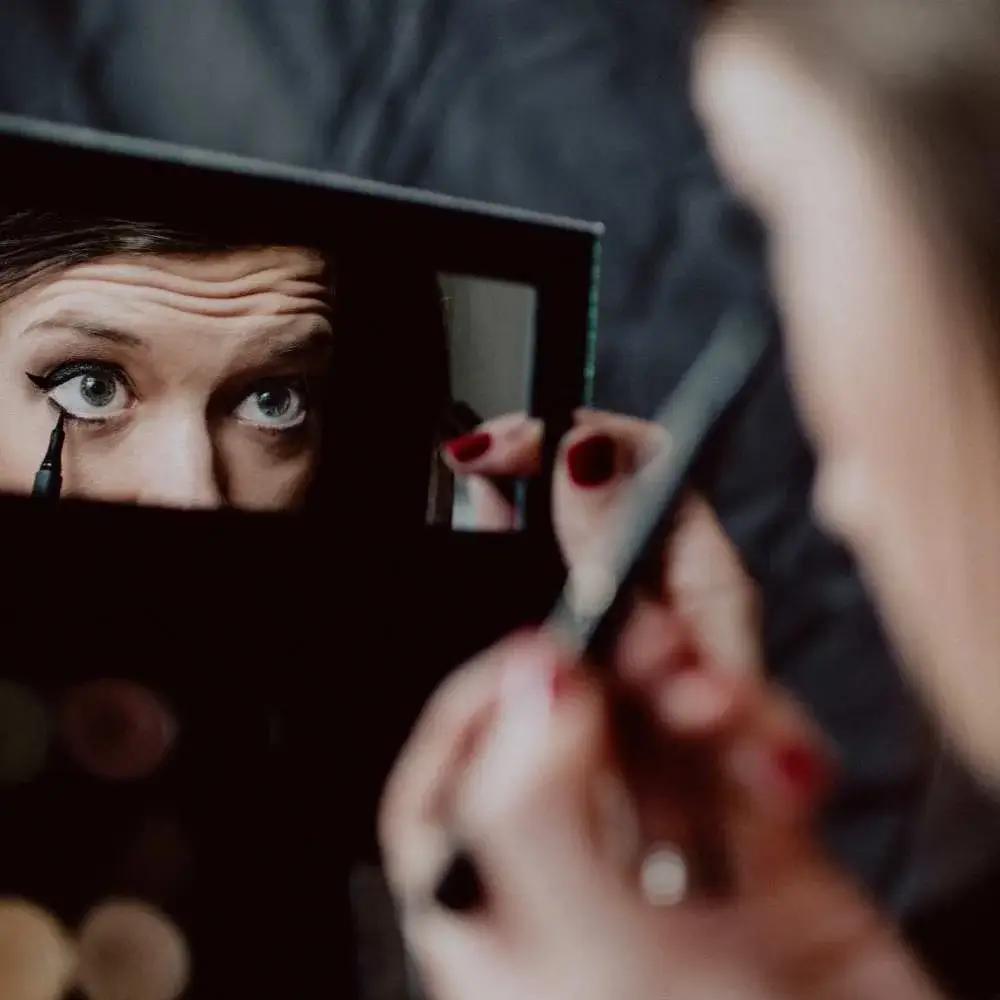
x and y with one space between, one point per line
204 286
271 302
222 266
292 272
244 328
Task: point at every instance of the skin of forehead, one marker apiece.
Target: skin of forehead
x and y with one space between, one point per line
269 281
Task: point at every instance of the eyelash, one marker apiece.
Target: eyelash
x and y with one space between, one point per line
296 383
52 379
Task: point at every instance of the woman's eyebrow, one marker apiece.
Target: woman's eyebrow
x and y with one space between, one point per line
86 325
318 340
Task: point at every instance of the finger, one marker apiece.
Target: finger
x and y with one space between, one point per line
528 805
780 769
708 584
662 669
594 466
412 814
656 641
507 446
511 445
491 510
775 767
668 782
645 438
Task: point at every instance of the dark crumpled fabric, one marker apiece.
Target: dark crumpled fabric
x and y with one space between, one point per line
575 107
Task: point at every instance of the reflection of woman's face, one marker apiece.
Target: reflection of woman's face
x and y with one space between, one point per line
189 381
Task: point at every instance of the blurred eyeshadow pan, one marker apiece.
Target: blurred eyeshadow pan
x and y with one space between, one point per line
24 734
117 730
36 957
157 862
131 951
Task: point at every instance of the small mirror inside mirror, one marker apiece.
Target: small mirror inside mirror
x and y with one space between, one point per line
491 338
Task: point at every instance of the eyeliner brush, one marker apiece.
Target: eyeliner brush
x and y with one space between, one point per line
48 479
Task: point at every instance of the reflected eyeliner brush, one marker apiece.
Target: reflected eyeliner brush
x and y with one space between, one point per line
48 478
590 623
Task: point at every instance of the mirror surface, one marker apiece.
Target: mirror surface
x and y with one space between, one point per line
158 366
490 326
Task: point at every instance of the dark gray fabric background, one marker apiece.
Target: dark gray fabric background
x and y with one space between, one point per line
575 107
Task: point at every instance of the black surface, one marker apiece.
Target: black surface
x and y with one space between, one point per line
206 618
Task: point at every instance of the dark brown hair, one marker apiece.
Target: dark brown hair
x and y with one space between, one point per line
36 243
926 75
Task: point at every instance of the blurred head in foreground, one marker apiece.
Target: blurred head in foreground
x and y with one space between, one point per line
866 136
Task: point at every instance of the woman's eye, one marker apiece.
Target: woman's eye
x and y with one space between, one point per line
92 395
279 406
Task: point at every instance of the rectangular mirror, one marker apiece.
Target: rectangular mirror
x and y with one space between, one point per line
165 345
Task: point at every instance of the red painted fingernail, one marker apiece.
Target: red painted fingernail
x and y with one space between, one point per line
591 462
469 447
800 767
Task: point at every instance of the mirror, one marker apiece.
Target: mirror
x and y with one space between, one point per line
490 332
161 366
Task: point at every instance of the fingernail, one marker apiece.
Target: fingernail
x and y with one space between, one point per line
591 462
800 767
469 447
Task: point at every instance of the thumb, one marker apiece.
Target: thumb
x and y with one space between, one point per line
528 807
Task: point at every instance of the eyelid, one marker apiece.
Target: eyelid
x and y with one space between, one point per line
295 380
60 374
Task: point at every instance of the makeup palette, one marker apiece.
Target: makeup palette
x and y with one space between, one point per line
112 854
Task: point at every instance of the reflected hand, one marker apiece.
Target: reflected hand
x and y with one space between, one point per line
512 757
703 577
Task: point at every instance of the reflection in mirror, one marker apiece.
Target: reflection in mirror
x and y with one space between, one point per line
146 364
179 370
490 337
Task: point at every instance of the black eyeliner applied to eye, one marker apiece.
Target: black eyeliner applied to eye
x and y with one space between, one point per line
60 374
